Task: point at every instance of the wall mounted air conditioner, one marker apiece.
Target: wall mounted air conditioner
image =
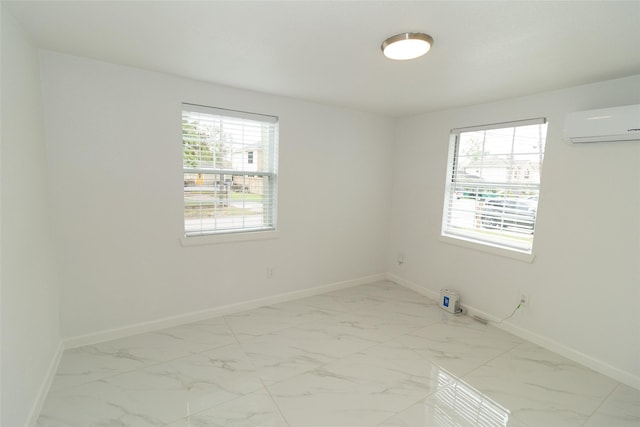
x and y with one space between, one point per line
604 125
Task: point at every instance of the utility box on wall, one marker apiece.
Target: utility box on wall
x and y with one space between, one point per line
450 301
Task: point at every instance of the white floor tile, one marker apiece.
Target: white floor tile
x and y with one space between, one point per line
324 398
542 388
158 394
89 363
253 410
459 344
456 405
278 357
371 355
621 409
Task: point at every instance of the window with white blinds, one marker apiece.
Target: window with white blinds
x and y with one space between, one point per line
230 170
493 183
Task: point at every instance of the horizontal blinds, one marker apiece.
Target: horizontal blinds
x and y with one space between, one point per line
230 170
494 182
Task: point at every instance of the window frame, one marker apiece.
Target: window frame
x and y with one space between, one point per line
209 235
498 242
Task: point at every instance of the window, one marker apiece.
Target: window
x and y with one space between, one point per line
493 182
225 190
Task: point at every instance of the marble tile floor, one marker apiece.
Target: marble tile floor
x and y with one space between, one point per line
372 355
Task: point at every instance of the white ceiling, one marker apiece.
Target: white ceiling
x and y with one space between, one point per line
329 51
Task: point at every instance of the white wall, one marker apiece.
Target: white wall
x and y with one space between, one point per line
584 283
114 144
30 324
114 172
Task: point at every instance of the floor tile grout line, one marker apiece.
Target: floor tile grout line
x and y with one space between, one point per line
324 364
423 398
239 342
384 341
618 384
388 337
333 360
283 328
224 317
387 340
339 313
140 368
464 377
255 371
226 321
275 402
208 408
150 364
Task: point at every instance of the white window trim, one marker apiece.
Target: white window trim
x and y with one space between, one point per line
490 249
245 234
238 236
469 242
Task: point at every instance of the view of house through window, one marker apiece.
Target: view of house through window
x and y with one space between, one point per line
493 183
229 162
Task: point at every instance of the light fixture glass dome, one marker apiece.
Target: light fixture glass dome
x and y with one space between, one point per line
406 46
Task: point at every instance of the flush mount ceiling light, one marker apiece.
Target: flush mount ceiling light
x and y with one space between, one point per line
406 46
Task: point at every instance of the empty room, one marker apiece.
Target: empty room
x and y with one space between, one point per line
320 213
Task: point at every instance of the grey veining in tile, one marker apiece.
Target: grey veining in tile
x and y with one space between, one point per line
344 301
322 398
358 390
252 410
455 403
158 394
333 338
264 320
93 404
370 355
541 387
396 369
460 345
278 357
415 314
89 363
389 291
620 409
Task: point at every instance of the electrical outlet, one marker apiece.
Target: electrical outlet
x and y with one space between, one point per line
269 272
524 299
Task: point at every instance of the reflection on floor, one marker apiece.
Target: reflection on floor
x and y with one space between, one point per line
371 355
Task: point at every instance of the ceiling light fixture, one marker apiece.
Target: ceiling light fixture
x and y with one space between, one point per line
406 46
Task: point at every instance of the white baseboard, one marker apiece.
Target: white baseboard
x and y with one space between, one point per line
413 286
32 419
195 316
570 353
72 342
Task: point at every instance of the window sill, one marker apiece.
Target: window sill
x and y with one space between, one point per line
214 239
494 250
